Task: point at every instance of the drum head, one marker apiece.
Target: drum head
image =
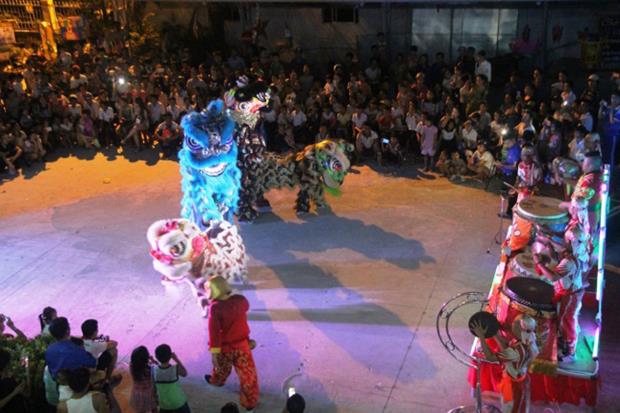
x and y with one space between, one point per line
523 264
487 320
541 208
531 292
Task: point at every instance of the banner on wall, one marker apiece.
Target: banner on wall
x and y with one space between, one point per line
7 34
72 28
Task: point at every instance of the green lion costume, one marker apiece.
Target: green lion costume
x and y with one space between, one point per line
317 168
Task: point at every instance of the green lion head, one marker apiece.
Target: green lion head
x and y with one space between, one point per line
332 162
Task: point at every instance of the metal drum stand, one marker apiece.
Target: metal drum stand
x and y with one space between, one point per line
443 332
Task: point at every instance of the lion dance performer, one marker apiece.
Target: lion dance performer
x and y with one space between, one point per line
181 251
244 103
229 341
516 357
208 162
317 169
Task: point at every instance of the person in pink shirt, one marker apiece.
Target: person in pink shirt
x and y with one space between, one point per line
427 136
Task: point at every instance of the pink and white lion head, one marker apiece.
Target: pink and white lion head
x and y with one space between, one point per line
176 246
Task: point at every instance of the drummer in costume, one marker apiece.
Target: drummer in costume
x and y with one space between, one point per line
589 187
569 288
529 173
516 357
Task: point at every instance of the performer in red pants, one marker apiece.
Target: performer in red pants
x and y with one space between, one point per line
229 340
569 288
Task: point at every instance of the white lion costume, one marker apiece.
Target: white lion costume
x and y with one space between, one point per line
181 251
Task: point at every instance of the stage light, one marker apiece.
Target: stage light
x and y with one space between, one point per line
600 277
597 341
121 80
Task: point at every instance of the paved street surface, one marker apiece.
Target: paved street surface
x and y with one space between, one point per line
343 304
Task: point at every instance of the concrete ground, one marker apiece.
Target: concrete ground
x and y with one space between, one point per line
343 304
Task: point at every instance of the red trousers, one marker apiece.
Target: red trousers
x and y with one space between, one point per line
513 392
244 365
570 305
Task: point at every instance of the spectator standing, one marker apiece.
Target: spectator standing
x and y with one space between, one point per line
427 136
166 376
483 66
6 321
46 317
143 398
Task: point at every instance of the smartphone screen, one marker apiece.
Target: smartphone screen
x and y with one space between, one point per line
291 391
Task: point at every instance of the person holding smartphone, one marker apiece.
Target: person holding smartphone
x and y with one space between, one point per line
5 321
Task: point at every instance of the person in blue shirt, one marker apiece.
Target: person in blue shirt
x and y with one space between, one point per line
510 157
64 354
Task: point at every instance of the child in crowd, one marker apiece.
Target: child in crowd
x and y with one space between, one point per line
443 163
83 398
143 398
457 167
427 136
166 376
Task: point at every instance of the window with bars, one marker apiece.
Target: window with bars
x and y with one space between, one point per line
26 14
340 14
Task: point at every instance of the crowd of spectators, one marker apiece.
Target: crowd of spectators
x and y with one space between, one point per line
79 374
102 97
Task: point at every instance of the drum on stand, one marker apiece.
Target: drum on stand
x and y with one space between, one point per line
534 297
522 265
546 216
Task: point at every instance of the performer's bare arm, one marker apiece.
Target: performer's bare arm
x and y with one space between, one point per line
538 259
480 332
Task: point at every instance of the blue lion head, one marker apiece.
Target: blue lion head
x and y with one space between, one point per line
209 144
208 161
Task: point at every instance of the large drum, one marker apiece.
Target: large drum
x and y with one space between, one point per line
521 295
522 265
545 213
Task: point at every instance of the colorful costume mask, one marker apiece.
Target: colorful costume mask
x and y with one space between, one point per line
210 176
181 251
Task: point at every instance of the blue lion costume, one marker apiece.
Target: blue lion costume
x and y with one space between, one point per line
208 161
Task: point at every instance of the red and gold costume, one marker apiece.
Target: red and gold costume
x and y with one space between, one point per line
589 187
515 360
229 341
